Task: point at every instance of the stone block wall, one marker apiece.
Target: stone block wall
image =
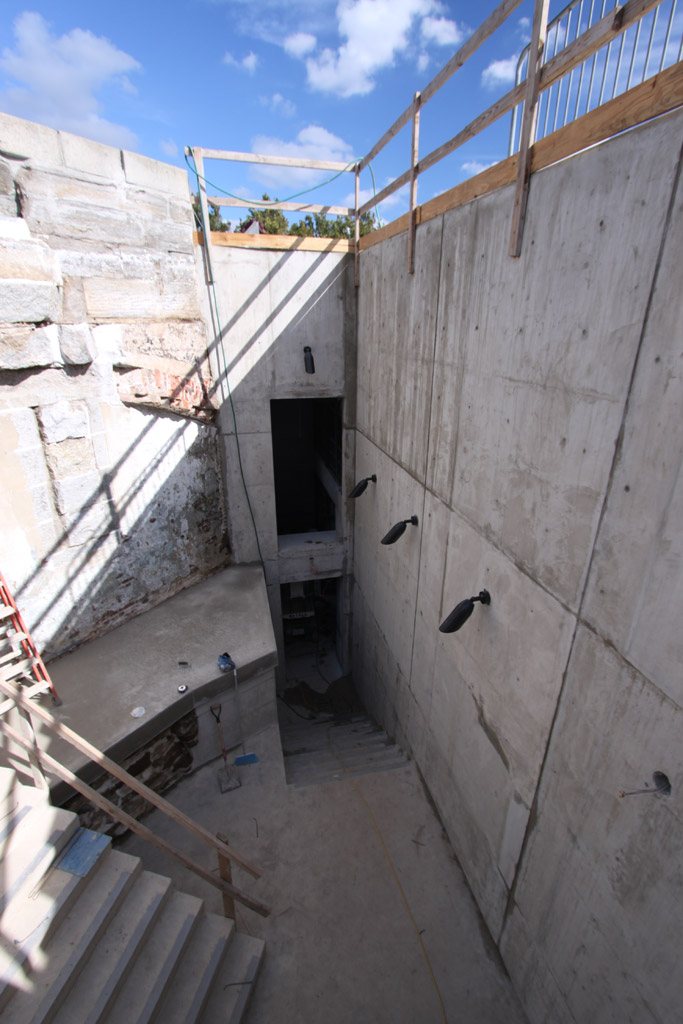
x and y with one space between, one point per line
111 495
529 412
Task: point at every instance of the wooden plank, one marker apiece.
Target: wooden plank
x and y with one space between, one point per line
356 232
225 872
345 211
658 95
276 161
55 768
303 243
414 156
101 759
487 27
614 23
536 48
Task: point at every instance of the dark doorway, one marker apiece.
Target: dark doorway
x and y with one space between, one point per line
307 457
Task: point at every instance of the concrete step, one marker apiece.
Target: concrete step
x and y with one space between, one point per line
30 839
317 754
109 963
35 913
235 981
190 987
376 738
13 795
38 995
311 778
146 985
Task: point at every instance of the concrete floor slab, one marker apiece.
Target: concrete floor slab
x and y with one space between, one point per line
341 945
142 663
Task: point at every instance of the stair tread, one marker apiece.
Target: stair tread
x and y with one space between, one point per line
235 981
72 942
146 984
33 915
349 758
189 990
339 775
112 958
30 839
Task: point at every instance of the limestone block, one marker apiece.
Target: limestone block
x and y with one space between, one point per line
28 259
90 523
28 301
60 218
76 344
77 492
63 420
73 300
107 339
153 174
8 206
23 347
14 227
74 456
6 179
108 299
82 262
28 141
184 341
91 157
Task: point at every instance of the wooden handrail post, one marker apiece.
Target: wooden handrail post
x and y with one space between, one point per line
536 48
198 157
414 157
356 232
225 871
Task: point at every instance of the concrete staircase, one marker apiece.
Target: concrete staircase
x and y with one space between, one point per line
331 751
86 935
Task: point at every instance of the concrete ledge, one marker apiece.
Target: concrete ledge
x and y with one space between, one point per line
139 664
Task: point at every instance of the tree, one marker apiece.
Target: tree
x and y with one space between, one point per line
216 223
274 221
320 226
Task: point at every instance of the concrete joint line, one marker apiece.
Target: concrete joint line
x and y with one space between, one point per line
608 490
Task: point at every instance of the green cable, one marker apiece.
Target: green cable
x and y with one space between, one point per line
227 380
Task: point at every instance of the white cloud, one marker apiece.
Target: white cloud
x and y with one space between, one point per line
299 44
472 167
59 77
524 29
312 143
168 147
375 33
441 31
500 72
248 63
280 105
423 62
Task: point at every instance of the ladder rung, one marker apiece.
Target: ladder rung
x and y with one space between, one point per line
14 638
18 669
6 611
26 691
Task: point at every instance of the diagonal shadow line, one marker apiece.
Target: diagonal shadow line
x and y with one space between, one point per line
275 312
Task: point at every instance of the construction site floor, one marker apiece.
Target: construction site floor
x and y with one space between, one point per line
344 939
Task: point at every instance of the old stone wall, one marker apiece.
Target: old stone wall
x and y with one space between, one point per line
529 412
111 496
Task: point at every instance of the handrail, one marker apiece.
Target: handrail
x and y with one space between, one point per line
101 759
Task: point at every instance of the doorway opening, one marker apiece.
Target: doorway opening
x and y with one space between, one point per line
315 683
307 463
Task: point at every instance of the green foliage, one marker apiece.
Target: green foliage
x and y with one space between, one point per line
318 225
274 221
216 223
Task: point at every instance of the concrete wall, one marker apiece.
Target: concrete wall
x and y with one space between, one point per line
529 412
111 493
270 305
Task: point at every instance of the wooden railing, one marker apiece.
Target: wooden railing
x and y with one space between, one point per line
54 767
656 95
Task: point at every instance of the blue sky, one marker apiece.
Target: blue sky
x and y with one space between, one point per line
324 78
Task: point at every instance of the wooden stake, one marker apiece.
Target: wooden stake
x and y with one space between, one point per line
198 157
225 871
356 232
536 49
414 156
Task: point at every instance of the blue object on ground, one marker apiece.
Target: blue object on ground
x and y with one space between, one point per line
225 662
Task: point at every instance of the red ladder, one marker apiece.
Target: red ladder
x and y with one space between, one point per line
19 657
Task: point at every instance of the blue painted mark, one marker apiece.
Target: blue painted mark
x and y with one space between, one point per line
82 852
